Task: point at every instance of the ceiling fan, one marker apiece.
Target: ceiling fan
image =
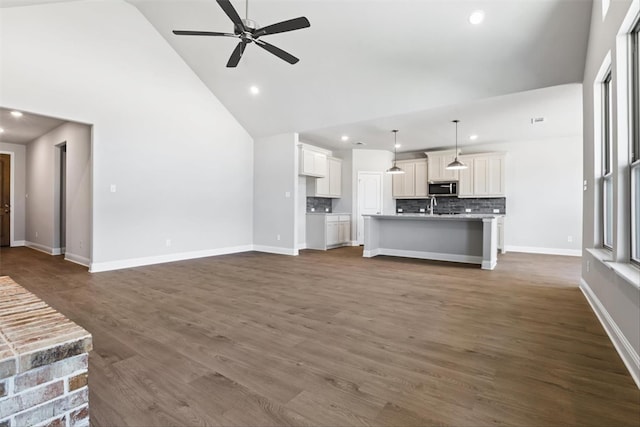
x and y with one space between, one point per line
248 31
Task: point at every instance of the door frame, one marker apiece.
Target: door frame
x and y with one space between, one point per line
12 198
357 218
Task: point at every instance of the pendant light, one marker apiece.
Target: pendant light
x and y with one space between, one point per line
395 170
456 164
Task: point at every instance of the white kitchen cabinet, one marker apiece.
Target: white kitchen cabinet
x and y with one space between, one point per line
437 165
312 163
331 185
484 177
327 231
413 182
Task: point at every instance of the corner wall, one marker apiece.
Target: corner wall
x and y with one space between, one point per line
181 164
275 194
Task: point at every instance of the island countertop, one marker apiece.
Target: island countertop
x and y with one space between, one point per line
446 217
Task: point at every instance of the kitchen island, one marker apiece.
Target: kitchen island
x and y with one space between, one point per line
457 238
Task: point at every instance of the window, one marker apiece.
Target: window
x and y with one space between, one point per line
634 155
607 175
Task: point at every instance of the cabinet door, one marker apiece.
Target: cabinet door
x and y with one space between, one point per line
481 176
421 182
465 178
320 164
333 233
345 231
307 162
404 184
322 187
335 178
496 186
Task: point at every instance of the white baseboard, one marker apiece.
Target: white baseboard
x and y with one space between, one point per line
301 246
57 251
18 243
275 250
626 351
97 267
436 256
42 248
546 251
77 259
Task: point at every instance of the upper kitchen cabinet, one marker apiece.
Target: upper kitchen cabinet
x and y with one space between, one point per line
438 161
312 163
331 184
484 176
413 182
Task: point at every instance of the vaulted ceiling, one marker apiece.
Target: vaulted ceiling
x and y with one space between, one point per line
370 65
364 60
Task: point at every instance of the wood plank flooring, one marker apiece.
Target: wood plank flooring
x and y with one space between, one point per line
334 339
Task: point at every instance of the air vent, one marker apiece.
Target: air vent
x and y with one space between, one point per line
359 143
536 120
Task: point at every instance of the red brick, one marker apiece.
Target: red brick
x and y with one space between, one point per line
79 417
32 397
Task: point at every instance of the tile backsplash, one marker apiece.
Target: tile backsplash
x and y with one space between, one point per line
452 205
319 204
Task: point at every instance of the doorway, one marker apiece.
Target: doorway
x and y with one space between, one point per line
5 200
60 195
369 199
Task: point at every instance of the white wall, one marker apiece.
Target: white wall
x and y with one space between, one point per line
19 155
544 193
614 296
275 204
181 163
42 220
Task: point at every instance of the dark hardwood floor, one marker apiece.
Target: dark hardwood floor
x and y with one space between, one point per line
334 339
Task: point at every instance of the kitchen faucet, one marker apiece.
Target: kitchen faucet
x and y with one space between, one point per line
432 202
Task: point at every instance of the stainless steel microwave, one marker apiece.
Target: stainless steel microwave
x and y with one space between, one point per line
443 188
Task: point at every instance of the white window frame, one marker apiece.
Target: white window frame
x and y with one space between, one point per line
606 145
634 144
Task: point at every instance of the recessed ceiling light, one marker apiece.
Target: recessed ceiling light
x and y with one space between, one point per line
254 90
344 138
476 17
473 137
1 130
16 114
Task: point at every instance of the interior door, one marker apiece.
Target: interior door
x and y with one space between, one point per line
5 200
369 199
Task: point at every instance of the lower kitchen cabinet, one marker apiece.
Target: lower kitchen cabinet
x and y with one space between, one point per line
325 231
501 247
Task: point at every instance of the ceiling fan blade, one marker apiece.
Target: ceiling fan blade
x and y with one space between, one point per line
236 54
283 27
231 13
277 51
201 33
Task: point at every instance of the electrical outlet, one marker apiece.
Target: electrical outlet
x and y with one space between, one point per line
287 194
569 239
36 234
467 210
168 242
112 188
496 211
80 244
278 237
399 210
326 209
421 210
313 209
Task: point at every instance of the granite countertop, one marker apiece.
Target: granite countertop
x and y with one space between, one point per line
32 334
424 216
